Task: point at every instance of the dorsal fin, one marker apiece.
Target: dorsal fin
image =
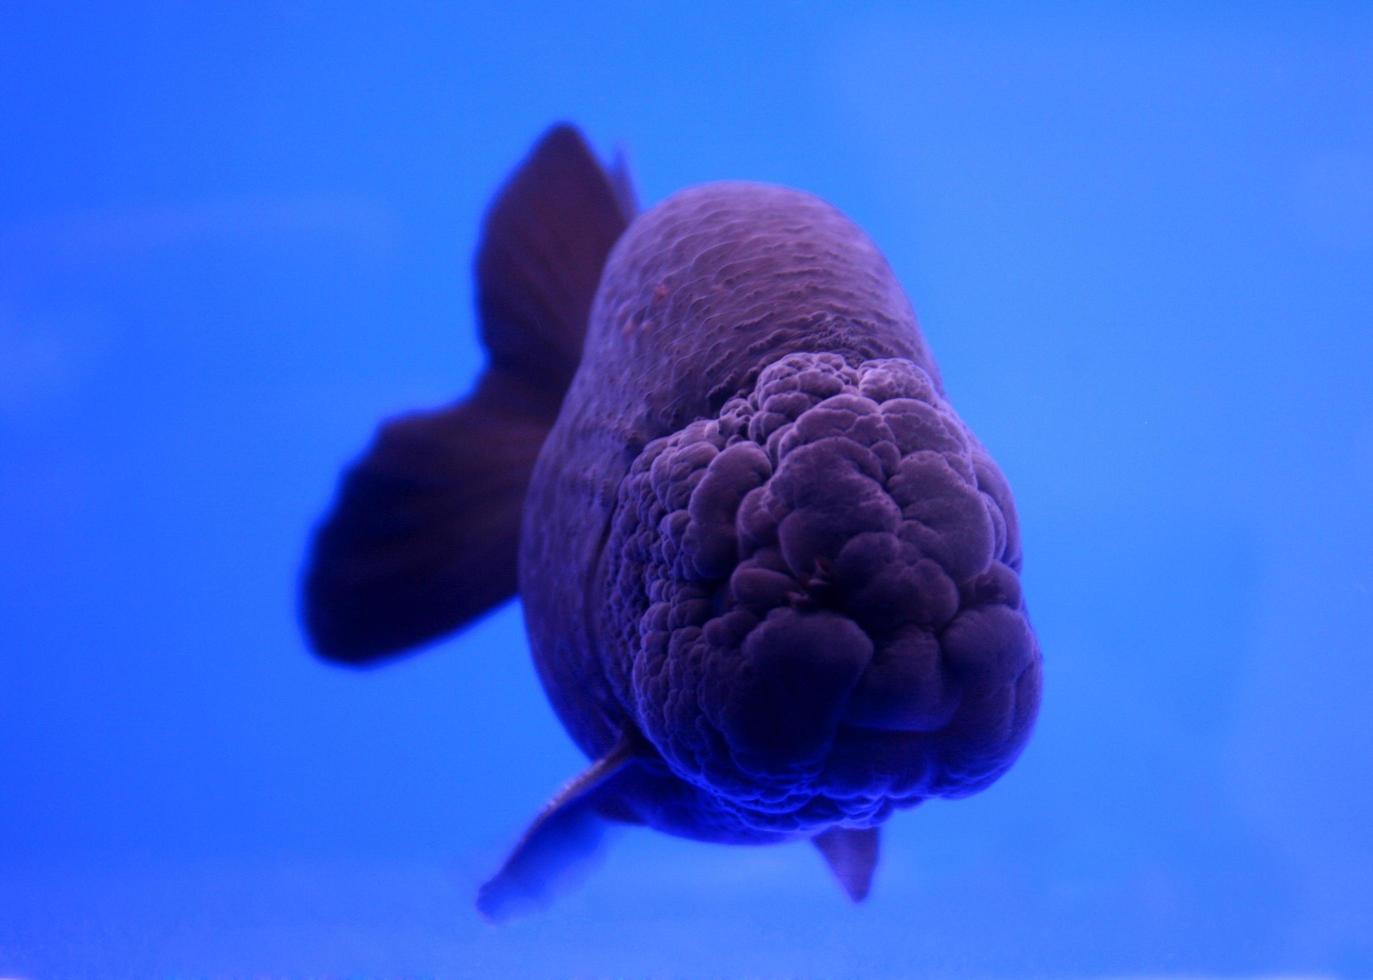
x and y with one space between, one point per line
545 242
852 856
562 837
424 532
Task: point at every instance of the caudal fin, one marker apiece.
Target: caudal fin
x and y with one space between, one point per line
424 531
545 242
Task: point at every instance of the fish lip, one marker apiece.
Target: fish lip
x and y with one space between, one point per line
846 727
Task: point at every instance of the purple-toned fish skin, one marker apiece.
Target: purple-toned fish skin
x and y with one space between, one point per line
759 535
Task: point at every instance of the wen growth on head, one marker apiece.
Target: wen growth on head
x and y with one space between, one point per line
771 580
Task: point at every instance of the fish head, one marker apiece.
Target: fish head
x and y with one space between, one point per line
813 608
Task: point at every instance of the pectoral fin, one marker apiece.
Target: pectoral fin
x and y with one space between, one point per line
557 845
852 856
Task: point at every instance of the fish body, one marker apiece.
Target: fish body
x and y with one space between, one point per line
770 579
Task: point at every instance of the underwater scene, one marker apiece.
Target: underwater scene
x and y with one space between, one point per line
760 490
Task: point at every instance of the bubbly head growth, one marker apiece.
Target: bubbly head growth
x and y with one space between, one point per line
814 598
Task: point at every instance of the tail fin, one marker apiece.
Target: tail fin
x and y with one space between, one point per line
423 534
546 241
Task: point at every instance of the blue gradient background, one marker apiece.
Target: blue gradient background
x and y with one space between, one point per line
232 239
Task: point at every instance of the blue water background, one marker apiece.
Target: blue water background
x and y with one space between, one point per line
234 237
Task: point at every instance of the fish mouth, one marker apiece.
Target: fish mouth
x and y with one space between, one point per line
814 597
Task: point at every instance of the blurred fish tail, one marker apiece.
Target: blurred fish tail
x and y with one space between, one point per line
423 534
